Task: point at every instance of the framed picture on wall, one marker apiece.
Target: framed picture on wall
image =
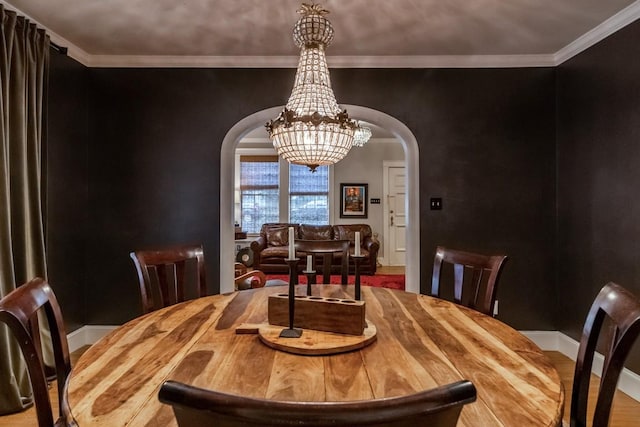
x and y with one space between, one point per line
353 200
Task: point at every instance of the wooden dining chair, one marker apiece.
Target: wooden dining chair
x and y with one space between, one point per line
248 279
326 250
19 311
618 311
483 285
438 407
166 275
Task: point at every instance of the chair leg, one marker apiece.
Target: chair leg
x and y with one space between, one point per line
326 268
345 271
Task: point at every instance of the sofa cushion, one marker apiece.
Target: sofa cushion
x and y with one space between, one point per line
278 236
268 225
273 234
348 232
316 232
276 251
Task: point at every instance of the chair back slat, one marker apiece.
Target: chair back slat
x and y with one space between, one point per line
170 280
20 310
476 280
458 281
438 407
482 284
178 280
164 275
620 310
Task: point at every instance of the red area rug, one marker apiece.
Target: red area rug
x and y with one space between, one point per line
392 281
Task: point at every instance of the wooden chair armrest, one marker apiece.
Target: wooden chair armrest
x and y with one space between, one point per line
250 280
239 269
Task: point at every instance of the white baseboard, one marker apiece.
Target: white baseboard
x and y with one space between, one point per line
546 340
629 382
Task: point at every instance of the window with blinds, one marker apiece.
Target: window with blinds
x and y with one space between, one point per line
308 195
259 191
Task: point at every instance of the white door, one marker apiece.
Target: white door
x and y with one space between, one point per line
396 214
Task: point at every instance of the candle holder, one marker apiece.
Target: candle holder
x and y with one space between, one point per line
291 332
357 260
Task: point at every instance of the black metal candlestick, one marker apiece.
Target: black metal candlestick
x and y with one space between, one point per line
311 279
291 332
356 261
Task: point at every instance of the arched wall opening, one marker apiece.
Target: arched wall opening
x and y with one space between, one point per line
227 173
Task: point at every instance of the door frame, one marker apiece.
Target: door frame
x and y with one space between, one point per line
386 164
254 121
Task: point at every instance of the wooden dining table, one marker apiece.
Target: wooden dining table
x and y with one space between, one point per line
421 343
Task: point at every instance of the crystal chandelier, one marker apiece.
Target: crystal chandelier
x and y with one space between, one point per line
312 130
361 136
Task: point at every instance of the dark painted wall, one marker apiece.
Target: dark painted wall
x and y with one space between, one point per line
154 161
599 176
487 147
142 168
67 186
486 142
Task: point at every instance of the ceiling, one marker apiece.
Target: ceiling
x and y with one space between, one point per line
368 33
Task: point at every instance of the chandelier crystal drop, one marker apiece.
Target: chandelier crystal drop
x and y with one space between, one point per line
361 136
312 130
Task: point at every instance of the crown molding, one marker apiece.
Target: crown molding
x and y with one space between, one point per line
73 51
388 61
441 61
618 21
186 61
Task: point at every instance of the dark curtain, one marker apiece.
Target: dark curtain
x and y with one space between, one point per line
24 59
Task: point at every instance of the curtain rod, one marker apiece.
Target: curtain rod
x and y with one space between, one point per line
60 49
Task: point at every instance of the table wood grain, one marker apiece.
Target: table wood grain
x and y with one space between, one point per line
422 342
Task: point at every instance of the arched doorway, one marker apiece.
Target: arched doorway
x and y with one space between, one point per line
227 171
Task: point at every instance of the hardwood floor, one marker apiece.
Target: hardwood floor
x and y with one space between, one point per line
387 269
626 411
28 418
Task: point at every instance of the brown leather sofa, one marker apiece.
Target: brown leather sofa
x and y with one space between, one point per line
271 248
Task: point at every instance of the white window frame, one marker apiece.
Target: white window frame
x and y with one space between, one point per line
283 207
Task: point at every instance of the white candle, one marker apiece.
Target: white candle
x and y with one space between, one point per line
309 263
357 243
292 250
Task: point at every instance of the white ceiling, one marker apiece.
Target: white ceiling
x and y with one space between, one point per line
368 33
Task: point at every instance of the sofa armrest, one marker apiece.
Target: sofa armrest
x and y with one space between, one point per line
256 247
370 245
259 244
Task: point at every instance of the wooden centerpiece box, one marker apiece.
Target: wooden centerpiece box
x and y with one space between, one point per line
343 316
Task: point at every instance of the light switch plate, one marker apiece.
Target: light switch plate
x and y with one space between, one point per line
436 203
